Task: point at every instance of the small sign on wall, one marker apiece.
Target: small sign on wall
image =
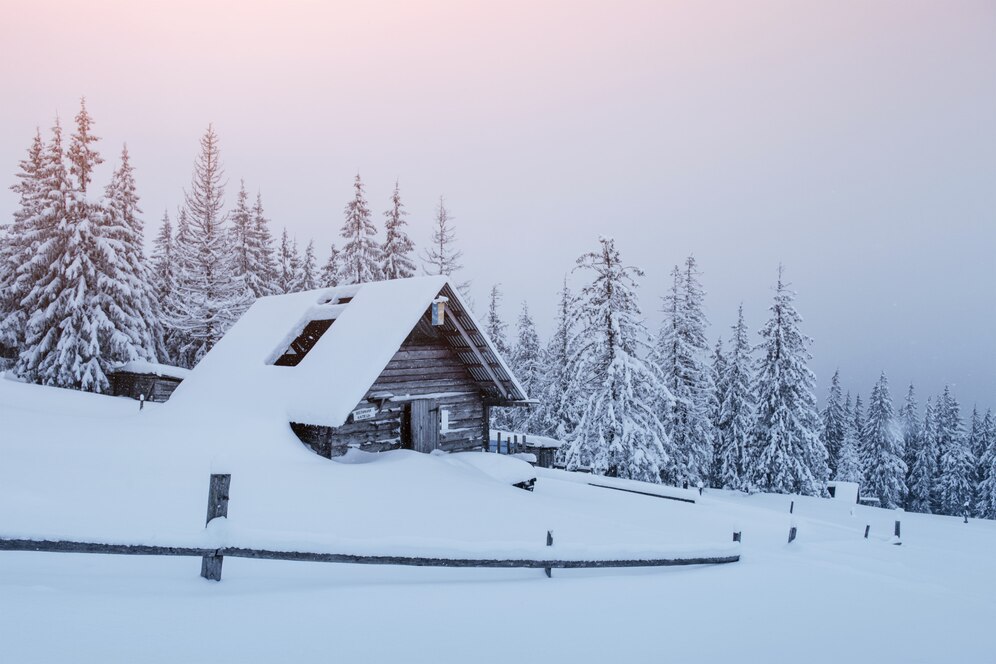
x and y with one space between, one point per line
361 414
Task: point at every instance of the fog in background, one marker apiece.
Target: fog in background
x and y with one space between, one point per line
853 141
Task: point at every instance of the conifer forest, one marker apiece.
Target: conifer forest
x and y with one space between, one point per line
88 283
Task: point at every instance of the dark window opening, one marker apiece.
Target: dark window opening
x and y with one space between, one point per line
303 344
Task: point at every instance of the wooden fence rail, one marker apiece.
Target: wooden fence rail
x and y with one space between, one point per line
63 546
212 559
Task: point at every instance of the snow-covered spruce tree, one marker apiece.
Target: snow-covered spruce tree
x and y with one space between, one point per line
83 157
833 420
262 247
557 411
717 366
163 281
849 456
442 257
309 268
252 244
736 409
361 254
398 252
63 330
885 470
922 478
527 362
287 264
986 494
909 428
618 430
332 269
501 418
125 295
210 296
957 467
977 444
681 355
787 455
19 242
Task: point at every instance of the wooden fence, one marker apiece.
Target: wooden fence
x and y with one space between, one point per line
212 559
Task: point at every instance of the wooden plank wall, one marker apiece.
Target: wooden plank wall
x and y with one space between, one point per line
155 388
423 366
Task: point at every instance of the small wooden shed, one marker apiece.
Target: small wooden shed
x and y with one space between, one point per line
148 380
376 366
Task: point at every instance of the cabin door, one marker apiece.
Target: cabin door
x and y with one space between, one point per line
424 425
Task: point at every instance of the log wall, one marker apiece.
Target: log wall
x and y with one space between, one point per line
424 367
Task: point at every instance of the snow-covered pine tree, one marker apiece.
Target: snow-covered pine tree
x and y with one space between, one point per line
398 254
163 280
63 331
923 474
501 418
885 470
296 268
125 294
309 268
832 433
83 158
261 247
736 410
252 245
557 411
717 370
287 264
909 428
986 494
957 467
163 260
527 362
849 456
178 343
442 256
361 254
618 431
787 455
210 296
333 268
19 242
977 444
681 357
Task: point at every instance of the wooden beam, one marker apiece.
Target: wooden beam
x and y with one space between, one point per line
477 353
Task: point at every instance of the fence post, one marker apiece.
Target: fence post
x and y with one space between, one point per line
792 533
736 535
867 528
549 542
217 506
498 446
792 507
897 529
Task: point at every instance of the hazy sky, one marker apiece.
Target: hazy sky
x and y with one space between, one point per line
854 141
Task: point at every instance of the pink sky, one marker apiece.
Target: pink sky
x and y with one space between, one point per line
852 140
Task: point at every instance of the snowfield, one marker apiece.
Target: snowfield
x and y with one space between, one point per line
80 466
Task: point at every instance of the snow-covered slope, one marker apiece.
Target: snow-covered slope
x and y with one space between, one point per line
84 466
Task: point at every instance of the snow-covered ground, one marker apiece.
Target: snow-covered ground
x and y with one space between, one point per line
87 467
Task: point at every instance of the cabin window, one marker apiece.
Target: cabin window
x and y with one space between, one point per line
303 343
444 420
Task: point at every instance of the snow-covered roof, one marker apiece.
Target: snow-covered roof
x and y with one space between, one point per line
371 321
151 369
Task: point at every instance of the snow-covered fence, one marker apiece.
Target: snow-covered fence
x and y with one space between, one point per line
213 556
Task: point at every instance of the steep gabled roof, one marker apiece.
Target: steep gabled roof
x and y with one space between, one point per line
283 357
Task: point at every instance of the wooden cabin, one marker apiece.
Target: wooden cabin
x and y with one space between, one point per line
145 380
378 366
